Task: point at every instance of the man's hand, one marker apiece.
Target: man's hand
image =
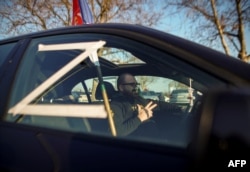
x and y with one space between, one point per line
146 112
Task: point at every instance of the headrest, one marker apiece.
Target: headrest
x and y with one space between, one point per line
109 89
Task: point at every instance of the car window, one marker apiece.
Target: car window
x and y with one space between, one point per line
73 102
5 50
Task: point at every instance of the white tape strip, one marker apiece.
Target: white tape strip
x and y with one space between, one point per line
89 48
84 111
71 46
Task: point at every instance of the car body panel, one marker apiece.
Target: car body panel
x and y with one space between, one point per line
52 150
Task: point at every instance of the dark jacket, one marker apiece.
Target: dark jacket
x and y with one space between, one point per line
125 113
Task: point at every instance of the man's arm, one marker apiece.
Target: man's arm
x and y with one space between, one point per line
125 121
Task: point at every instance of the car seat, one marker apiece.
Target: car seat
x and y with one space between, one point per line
109 89
101 125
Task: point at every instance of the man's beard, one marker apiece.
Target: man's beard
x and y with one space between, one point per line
135 92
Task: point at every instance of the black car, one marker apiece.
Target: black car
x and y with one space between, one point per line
54 118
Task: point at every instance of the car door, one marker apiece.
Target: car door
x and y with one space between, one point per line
33 132
45 125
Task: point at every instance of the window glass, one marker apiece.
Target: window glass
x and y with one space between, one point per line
159 74
5 50
79 94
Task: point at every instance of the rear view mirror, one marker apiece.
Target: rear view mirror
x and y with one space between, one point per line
222 129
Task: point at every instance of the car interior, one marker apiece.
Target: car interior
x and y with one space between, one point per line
61 93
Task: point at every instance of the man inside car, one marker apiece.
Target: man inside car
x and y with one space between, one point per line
132 113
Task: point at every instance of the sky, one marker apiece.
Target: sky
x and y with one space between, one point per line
179 27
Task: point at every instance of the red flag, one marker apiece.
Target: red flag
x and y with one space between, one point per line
81 13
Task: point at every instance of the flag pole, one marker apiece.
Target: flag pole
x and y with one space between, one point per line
106 102
94 59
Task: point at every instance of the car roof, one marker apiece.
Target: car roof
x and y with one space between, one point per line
186 50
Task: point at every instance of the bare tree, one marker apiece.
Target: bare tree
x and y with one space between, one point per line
144 12
219 23
145 81
24 16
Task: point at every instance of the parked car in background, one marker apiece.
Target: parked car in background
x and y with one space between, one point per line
181 96
46 126
150 95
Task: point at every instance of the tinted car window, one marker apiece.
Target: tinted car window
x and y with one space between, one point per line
77 86
5 50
